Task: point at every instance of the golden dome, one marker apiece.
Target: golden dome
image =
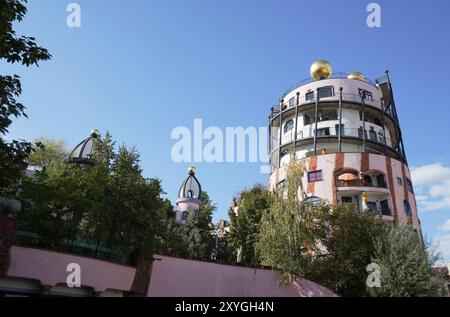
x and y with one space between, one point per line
192 170
320 69
356 75
95 133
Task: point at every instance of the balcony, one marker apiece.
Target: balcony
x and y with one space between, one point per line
311 99
330 129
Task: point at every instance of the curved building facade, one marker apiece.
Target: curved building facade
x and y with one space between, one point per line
346 131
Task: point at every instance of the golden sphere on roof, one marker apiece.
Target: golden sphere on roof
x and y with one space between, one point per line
95 133
356 75
320 69
192 170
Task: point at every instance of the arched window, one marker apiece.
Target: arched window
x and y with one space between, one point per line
288 126
313 199
184 215
190 193
407 208
381 181
368 180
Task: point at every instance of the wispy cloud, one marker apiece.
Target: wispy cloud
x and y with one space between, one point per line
443 246
445 226
432 184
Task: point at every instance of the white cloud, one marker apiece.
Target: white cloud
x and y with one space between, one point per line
443 246
432 184
445 226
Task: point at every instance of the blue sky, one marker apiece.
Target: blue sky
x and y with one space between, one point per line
140 68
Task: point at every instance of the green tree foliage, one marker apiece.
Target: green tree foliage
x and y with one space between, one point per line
24 50
290 230
49 151
109 202
348 241
244 227
333 245
195 238
406 267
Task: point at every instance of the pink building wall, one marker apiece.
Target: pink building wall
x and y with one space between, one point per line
187 278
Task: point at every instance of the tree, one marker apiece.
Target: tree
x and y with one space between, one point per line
245 227
110 202
288 239
24 50
194 239
50 151
406 267
348 241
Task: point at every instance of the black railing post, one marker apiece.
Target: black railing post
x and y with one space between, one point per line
384 128
296 118
340 121
363 120
316 117
281 133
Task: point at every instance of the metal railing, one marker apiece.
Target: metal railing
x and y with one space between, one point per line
332 76
374 136
78 247
346 97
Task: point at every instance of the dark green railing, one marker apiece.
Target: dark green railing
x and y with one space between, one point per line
79 247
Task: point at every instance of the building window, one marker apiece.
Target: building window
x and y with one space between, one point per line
342 129
347 200
372 206
306 119
292 102
381 181
381 137
309 96
368 180
323 132
373 135
288 126
409 185
184 215
384 205
407 208
366 95
327 91
315 176
399 181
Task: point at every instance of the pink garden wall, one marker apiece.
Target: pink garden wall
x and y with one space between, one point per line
50 268
171 277
185 278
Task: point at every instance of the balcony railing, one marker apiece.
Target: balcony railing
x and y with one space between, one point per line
346 97
358 183
333 131
332 76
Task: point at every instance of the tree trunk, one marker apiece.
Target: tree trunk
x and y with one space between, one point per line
143 274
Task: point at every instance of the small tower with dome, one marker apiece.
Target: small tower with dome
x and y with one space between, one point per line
188 196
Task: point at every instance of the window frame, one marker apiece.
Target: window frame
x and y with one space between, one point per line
291 126
315 176
325 88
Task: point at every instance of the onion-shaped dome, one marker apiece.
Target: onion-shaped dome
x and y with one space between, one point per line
82 153
191 187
